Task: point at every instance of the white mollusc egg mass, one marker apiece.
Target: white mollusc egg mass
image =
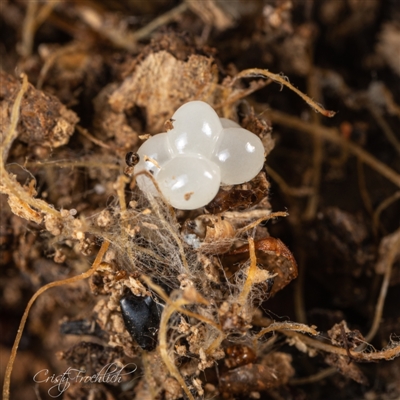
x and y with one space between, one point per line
197 128
201 152
154 149
189 182
240 155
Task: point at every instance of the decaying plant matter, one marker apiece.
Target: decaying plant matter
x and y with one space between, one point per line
200 279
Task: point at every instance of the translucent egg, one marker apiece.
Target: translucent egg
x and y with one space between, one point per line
156 148
228 123
197 128
189 182
190 162
240 156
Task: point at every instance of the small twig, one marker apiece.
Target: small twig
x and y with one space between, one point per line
169 309
382 206
159 21
8 185
12 133
332 135
178 308
287 326
127 39
32 21
362 185
250 275
345 342
247 216
50 60
172 306
264 73
216 343
385 354
262 219
236 95
158 289
314 378
87 274
100 143
28 29
118 37
299 306
152 160
44 12
120 186
90 163
390 259
386 129
388 353
312 201
290 191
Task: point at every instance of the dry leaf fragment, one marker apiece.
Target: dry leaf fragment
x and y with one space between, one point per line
349 370
162 83
342 336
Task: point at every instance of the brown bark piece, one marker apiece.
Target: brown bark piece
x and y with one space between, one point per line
275 371
44 120
274 256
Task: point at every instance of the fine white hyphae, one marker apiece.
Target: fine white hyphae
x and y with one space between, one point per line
201 152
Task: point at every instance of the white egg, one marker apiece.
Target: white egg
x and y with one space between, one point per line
240 156
190 162
156 148
189 182
196 129
228 123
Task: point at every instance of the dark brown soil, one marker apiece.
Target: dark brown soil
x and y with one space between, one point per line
101 75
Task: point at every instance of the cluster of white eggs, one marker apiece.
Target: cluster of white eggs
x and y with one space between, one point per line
201 152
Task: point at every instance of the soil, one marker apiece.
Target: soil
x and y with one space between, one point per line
285 287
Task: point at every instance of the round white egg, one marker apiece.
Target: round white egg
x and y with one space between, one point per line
190 162
229 123
189 182
240 156
197 128
157 148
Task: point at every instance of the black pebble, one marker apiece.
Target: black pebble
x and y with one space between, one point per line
142 317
